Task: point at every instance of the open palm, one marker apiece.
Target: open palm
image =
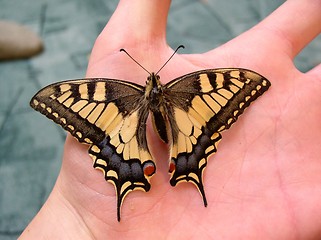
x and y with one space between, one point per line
265 180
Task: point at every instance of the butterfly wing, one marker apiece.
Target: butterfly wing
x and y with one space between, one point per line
202 105
110 115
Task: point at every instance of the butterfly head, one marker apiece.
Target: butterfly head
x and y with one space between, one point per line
154 90
154 79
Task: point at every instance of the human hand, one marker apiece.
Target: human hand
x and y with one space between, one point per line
267 186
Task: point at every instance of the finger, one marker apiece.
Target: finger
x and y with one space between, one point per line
135 22
292 26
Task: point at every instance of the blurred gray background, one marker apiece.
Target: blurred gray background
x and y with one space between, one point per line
30 145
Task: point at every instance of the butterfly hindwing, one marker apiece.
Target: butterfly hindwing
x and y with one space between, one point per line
110 115
202 105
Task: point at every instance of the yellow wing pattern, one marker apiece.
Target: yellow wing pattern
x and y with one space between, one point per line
203 104
110 115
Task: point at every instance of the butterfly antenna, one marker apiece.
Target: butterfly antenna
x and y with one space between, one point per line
180 46
123 50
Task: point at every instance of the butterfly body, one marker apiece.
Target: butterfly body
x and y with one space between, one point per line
189 112
154 93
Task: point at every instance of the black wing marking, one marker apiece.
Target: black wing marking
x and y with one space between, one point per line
110 115
201 105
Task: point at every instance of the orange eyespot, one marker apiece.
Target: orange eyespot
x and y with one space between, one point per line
172 167
149 168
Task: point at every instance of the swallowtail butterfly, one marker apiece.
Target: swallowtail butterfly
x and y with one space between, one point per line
189 113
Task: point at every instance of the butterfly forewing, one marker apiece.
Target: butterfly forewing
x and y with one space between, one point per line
201 105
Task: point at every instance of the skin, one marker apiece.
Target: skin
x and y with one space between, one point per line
264 182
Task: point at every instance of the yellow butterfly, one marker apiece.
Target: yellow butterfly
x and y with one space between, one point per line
189 112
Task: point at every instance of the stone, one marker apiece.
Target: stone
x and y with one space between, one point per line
18 41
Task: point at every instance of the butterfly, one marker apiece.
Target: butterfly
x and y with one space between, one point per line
189 113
